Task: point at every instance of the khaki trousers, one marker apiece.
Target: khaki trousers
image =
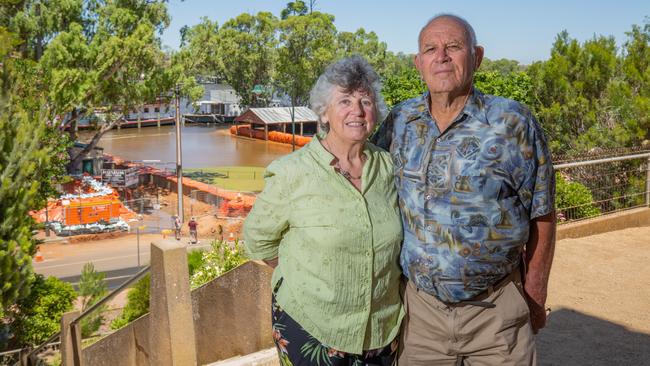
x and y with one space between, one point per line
434 333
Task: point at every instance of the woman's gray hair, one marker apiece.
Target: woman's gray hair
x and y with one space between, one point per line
351 74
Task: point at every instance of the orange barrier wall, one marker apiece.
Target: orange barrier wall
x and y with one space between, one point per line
285 138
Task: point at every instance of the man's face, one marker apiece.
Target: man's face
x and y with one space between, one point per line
445 59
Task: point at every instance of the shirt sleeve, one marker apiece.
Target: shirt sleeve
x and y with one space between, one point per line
537 191
383 137
269 217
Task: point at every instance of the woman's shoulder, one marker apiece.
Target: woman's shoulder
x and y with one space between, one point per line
287 163
378 152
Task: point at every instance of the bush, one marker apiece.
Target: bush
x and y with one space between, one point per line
137 303
573 200
194 261
92 288
35 318
221 259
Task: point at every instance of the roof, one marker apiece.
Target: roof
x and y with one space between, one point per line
276 115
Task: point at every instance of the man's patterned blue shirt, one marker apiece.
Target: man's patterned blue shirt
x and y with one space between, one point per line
467 195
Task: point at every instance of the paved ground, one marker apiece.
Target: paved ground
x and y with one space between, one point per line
600 299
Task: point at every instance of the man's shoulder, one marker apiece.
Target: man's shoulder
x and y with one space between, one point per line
496 107
409 108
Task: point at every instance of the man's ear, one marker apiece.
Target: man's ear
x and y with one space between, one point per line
478 56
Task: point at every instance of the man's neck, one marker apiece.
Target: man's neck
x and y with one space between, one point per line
445 107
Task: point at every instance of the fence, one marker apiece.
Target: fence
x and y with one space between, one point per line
592 188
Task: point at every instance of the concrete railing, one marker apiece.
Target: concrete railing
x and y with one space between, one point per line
226 317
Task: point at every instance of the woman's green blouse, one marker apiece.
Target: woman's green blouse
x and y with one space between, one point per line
338 248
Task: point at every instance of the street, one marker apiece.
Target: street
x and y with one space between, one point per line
116 257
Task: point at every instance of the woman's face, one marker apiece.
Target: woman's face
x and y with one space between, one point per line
351 116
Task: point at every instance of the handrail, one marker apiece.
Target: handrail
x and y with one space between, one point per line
86 312
599 161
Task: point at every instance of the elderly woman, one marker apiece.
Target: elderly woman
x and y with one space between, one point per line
328 218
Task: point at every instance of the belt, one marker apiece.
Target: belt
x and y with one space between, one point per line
479 300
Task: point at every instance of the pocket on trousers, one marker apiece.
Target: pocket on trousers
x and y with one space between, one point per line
513 306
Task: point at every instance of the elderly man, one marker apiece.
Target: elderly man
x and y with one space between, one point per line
476 188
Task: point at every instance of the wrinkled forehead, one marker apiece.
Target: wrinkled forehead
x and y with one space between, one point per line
341 91
444 29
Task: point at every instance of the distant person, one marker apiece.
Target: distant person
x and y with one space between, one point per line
176 225
192 224
476 190
328 222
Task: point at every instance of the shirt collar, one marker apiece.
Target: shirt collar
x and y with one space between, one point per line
325 157
474 107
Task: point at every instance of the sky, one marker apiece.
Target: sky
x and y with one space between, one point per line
519 30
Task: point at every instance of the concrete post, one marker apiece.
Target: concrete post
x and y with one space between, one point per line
70 341
171 331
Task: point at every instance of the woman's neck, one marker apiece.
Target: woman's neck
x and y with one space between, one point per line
344 151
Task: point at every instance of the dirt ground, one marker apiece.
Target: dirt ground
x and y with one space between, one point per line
599 294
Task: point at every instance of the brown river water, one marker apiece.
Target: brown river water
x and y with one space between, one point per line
203 146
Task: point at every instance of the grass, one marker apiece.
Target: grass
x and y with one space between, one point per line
238 178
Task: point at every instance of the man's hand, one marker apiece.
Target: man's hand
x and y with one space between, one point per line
272 262
539 257
536 298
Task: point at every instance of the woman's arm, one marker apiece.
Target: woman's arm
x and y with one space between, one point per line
269 217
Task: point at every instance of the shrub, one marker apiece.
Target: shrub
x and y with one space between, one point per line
35 318
194 261
573 200
221 259
137 303
92 288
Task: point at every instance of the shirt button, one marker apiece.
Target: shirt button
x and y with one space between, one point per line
429 228
428 197
438 139
368 254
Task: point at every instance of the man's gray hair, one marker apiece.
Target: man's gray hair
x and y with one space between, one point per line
469 30
351 74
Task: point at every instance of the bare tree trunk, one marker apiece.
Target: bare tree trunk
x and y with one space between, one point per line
76 159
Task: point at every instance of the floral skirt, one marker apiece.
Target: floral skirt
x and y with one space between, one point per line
296 347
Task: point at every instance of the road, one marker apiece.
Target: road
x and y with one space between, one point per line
116 257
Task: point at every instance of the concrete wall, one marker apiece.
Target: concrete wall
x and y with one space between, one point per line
232 315
128 346
618 221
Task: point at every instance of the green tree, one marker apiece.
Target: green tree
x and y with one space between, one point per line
36 317
365 44
513 85
92 288
248 50
402 86
306 47
502 66
89 55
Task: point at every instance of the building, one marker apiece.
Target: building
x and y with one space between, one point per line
264 120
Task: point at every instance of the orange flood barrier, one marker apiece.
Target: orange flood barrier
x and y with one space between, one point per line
276 136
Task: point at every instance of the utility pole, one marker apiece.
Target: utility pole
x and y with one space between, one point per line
179 160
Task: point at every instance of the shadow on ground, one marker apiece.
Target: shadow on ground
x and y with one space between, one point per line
574 338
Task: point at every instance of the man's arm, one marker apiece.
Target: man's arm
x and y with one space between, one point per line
539 257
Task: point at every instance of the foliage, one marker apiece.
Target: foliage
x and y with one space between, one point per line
194 261
137 303
405 85
36 317
307 46
513 85
221 259
573 200
590 96
502 66
248 50
23 160
92 288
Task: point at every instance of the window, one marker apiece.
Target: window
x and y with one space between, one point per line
146 109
